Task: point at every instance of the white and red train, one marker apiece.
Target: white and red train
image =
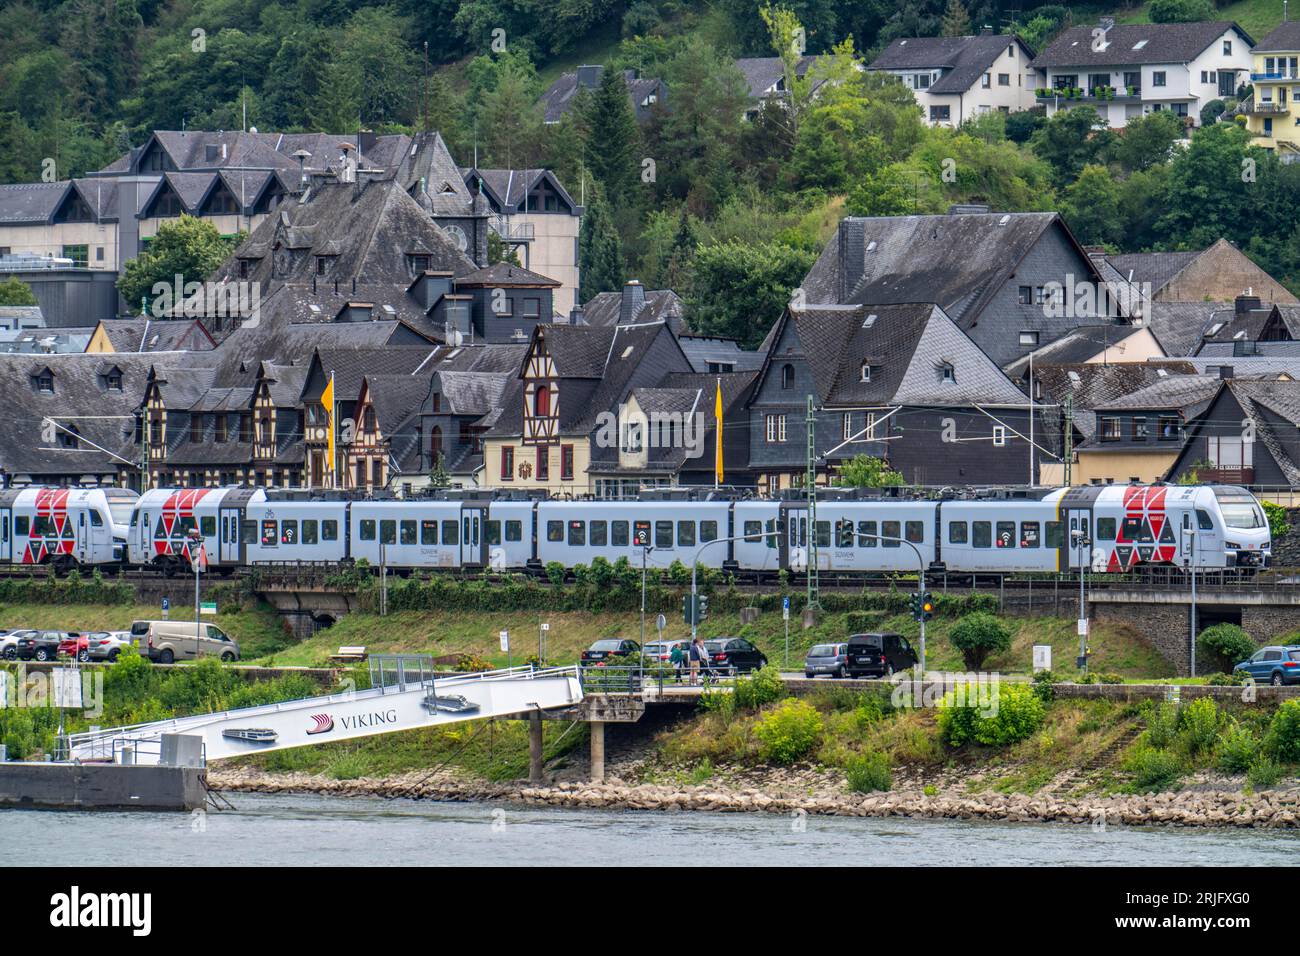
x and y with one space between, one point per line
1110 528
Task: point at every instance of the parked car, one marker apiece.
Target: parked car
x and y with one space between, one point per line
9 644
75 645
879 655
1278 664
832 659
107 645
40 645
165 642
662 651
609 650
734 655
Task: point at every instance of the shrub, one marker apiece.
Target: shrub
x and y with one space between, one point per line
760 688
789 731
1237 749
1225 680
1017 713
1162 725
1263 772
555 573
1153 768
472 663
1199 723
1043 681
869 772
1225 644
1284 731
1106 677
977 636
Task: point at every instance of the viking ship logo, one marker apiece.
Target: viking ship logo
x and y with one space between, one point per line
324 724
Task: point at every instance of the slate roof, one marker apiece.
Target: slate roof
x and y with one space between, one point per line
1247 325
1094 384
1285 38
661 305
1186 393
761 73
352 365
1075 348
30 202
503 274
1165 43
157 335
1157 268
1281 399
559 96
703 349
964 59
1177 326
508 189
470 393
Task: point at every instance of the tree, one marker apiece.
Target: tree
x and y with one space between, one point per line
613 151
956 21
1180 11
14 291
600 252
894 190
1092 207
1070 140
1226 645
499 251
1147 140
187 247
977 636
864 471
740 289
510 119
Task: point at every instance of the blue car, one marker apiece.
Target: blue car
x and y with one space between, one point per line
1277 665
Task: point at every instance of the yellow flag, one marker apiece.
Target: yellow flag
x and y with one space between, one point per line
327 399
717 441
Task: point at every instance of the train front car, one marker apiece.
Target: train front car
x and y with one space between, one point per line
166 522
64 527
1240 535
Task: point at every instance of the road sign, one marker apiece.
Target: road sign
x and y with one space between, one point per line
785 608
1042 657
661 622
166 606
505 641
1083 627
545 627
208 607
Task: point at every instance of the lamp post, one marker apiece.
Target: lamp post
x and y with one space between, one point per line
920 579
196 544
645 554
1081 542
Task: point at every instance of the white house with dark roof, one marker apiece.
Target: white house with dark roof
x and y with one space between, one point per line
957 78
1129 70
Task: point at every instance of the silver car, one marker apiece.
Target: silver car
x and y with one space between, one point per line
831 659
107 645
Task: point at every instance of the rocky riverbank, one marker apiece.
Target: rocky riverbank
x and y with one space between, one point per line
1207 802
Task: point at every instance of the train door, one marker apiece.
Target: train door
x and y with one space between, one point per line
1078 542
473 546
6 534
228 549
794 542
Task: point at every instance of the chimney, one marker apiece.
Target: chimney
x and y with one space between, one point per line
366 140
853 255
589 76
633 300
1106 23
986 31
348 173
1225 372
1245 303
575 316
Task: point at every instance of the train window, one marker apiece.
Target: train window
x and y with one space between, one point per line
270 533
407 531
310 530
982 534
823 534
618 536
1029 534
1204 520
158 530
248 532
1006 534
867 534
1054 534
97 520
22 525
578 534
599 534
329 530
1106 529
225 529
844 534
1137 529
890 531
288 532
428 531
957 532
492 532
708 531
182 527
663 534
753 532
387 531
686 534
4 528
771 533
514 531
207 525
450 533
367 529
916 531
555 531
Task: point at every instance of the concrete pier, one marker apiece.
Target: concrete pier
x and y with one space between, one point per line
87 786
535 748
597 751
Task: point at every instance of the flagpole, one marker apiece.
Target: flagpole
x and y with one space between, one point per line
717 443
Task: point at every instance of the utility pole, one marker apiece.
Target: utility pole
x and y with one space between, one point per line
1033 472
813 590
1069 435
1192 637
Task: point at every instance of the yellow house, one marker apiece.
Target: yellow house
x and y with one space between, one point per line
1273 115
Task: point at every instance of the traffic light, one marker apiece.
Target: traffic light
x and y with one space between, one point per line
687 609
701 608
927 606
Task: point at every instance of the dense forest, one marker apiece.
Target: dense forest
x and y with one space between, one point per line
729 212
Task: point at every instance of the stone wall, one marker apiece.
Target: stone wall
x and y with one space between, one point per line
1165 627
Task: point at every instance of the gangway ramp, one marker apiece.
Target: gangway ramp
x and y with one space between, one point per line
417 698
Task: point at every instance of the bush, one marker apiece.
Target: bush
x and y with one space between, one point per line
1043 681
1237 749
555 573
760 688
868 773
1284 731
1162 725
1225 644
1263 772
1017 713
1198 724
1226 680
1106 677
977 636
1153 768
789 731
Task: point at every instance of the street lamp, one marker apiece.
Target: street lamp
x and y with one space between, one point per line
645 553
920 580
196 549
1080 541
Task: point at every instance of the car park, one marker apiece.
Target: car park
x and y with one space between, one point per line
108 645
829 659
609 650
879 655
1277 664
733 655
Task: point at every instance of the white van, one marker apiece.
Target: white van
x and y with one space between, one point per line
165 642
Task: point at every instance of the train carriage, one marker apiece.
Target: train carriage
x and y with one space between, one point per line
418 534
65 527
578 532
1005 537
279 530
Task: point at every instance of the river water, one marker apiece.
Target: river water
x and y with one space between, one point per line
307 830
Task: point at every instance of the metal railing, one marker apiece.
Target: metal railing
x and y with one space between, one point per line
631 679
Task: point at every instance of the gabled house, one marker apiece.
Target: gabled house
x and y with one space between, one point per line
633 304
1247 434
1129 70
150 335
643 93
900 381
1013 282
1218 273
506 302
1272 114
1249 327
955 79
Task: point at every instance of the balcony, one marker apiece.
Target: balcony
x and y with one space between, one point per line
1096 94
511 232
1226 476
1280 76
1264 108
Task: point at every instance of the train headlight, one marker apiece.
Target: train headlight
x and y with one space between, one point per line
1231 544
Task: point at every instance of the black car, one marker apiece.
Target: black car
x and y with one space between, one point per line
734 655
40 645
879 655
610 650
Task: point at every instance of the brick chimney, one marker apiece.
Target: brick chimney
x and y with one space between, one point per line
631 302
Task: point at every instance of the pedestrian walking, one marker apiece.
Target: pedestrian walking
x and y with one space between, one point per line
678 659
696 658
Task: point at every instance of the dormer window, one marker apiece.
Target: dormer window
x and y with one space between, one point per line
68 437
864 372
417 263
947 373
45 382
245 268
323 265
113 380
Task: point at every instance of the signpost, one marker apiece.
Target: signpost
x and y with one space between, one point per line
166 607
542 630
505 646
785 616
